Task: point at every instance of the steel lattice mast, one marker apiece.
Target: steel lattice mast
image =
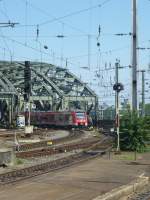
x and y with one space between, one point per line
134 56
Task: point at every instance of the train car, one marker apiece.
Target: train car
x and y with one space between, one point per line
61 119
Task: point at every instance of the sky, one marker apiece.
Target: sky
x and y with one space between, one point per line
78 22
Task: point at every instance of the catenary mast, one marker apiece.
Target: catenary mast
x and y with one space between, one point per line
134 56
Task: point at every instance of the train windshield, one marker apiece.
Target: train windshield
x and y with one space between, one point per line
80 115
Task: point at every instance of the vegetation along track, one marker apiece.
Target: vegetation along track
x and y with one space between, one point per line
72 135
28 172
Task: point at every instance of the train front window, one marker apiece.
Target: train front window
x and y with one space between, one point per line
80 115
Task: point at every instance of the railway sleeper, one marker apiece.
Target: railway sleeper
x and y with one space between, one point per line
35 170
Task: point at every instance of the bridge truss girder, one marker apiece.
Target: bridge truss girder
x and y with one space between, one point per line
53 88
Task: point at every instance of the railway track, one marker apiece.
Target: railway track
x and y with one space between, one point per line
58 149
45 143
142 196
29 172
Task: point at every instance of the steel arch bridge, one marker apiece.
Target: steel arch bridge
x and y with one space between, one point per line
53 88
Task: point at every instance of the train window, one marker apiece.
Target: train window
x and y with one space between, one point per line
67 117
45 118
51 117
80 115
59 117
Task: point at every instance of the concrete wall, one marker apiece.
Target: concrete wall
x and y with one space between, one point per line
6 156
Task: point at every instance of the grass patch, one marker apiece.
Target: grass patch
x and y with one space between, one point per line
19 161
125 156
130 155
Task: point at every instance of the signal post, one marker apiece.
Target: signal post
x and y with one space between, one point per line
27 93
117 88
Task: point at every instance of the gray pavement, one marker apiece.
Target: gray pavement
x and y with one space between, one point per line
81 182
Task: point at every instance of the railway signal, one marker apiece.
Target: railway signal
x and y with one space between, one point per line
118 87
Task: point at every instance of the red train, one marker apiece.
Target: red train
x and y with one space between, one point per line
63 119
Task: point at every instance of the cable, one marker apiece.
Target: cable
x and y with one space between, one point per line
65 16
35 49
4 12
54 18
76 12
103 52
51 36
26 21
4 40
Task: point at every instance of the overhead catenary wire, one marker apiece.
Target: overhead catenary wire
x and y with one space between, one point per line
4 11
70 36
65 36
26 21
35 49
67 15
56 57
4 14
52 16
5 42
76 12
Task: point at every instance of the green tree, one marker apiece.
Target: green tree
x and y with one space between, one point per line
134 132
147 109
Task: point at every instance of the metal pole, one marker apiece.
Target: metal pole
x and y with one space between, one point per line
96 100
117 107
116 77
28 89
12 109
134 58
143 93
29 118
9 103
118 121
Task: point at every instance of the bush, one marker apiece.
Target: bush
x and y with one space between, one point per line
134 131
